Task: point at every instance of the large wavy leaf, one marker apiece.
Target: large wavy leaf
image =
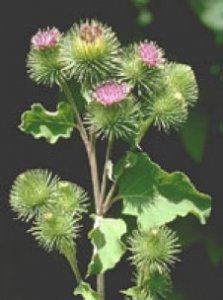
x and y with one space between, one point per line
156 197
50 125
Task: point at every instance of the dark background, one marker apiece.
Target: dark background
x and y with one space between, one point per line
26 271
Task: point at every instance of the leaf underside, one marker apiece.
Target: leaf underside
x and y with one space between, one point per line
108 247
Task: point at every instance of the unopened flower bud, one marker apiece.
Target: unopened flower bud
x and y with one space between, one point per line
55 229
156 252
31 191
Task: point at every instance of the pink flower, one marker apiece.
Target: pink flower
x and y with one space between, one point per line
150 54
111 92
46 38
90 32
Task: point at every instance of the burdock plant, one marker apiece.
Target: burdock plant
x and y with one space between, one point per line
109 92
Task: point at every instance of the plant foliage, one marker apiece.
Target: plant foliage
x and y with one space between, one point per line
109 91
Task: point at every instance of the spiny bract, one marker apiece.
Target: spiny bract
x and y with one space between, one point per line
31 191
150 286
118 120
183 79
71 198
155 249
55 229
132 69
43 62
89 52
168 109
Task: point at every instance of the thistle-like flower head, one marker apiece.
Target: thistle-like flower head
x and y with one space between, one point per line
150 54
111 92
177 92
44 65
89 52
157 285
46 38
31 191
119 120
143 77
168 109
72 198
114 112
55 229
183 78
150 286
155 249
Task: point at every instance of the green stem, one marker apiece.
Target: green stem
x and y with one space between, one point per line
145 126
104 177
109 202
72 259
101 286
94 171
70 99
90 145
110 199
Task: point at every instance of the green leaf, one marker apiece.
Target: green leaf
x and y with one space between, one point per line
194 135
108 247
145 17
156 197
209 12
212 15
50 125
86 291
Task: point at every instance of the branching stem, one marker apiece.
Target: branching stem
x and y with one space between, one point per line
102 203
101 286
89 143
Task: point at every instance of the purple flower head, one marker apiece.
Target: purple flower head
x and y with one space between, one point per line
90 32
46 38
150 54
111 92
